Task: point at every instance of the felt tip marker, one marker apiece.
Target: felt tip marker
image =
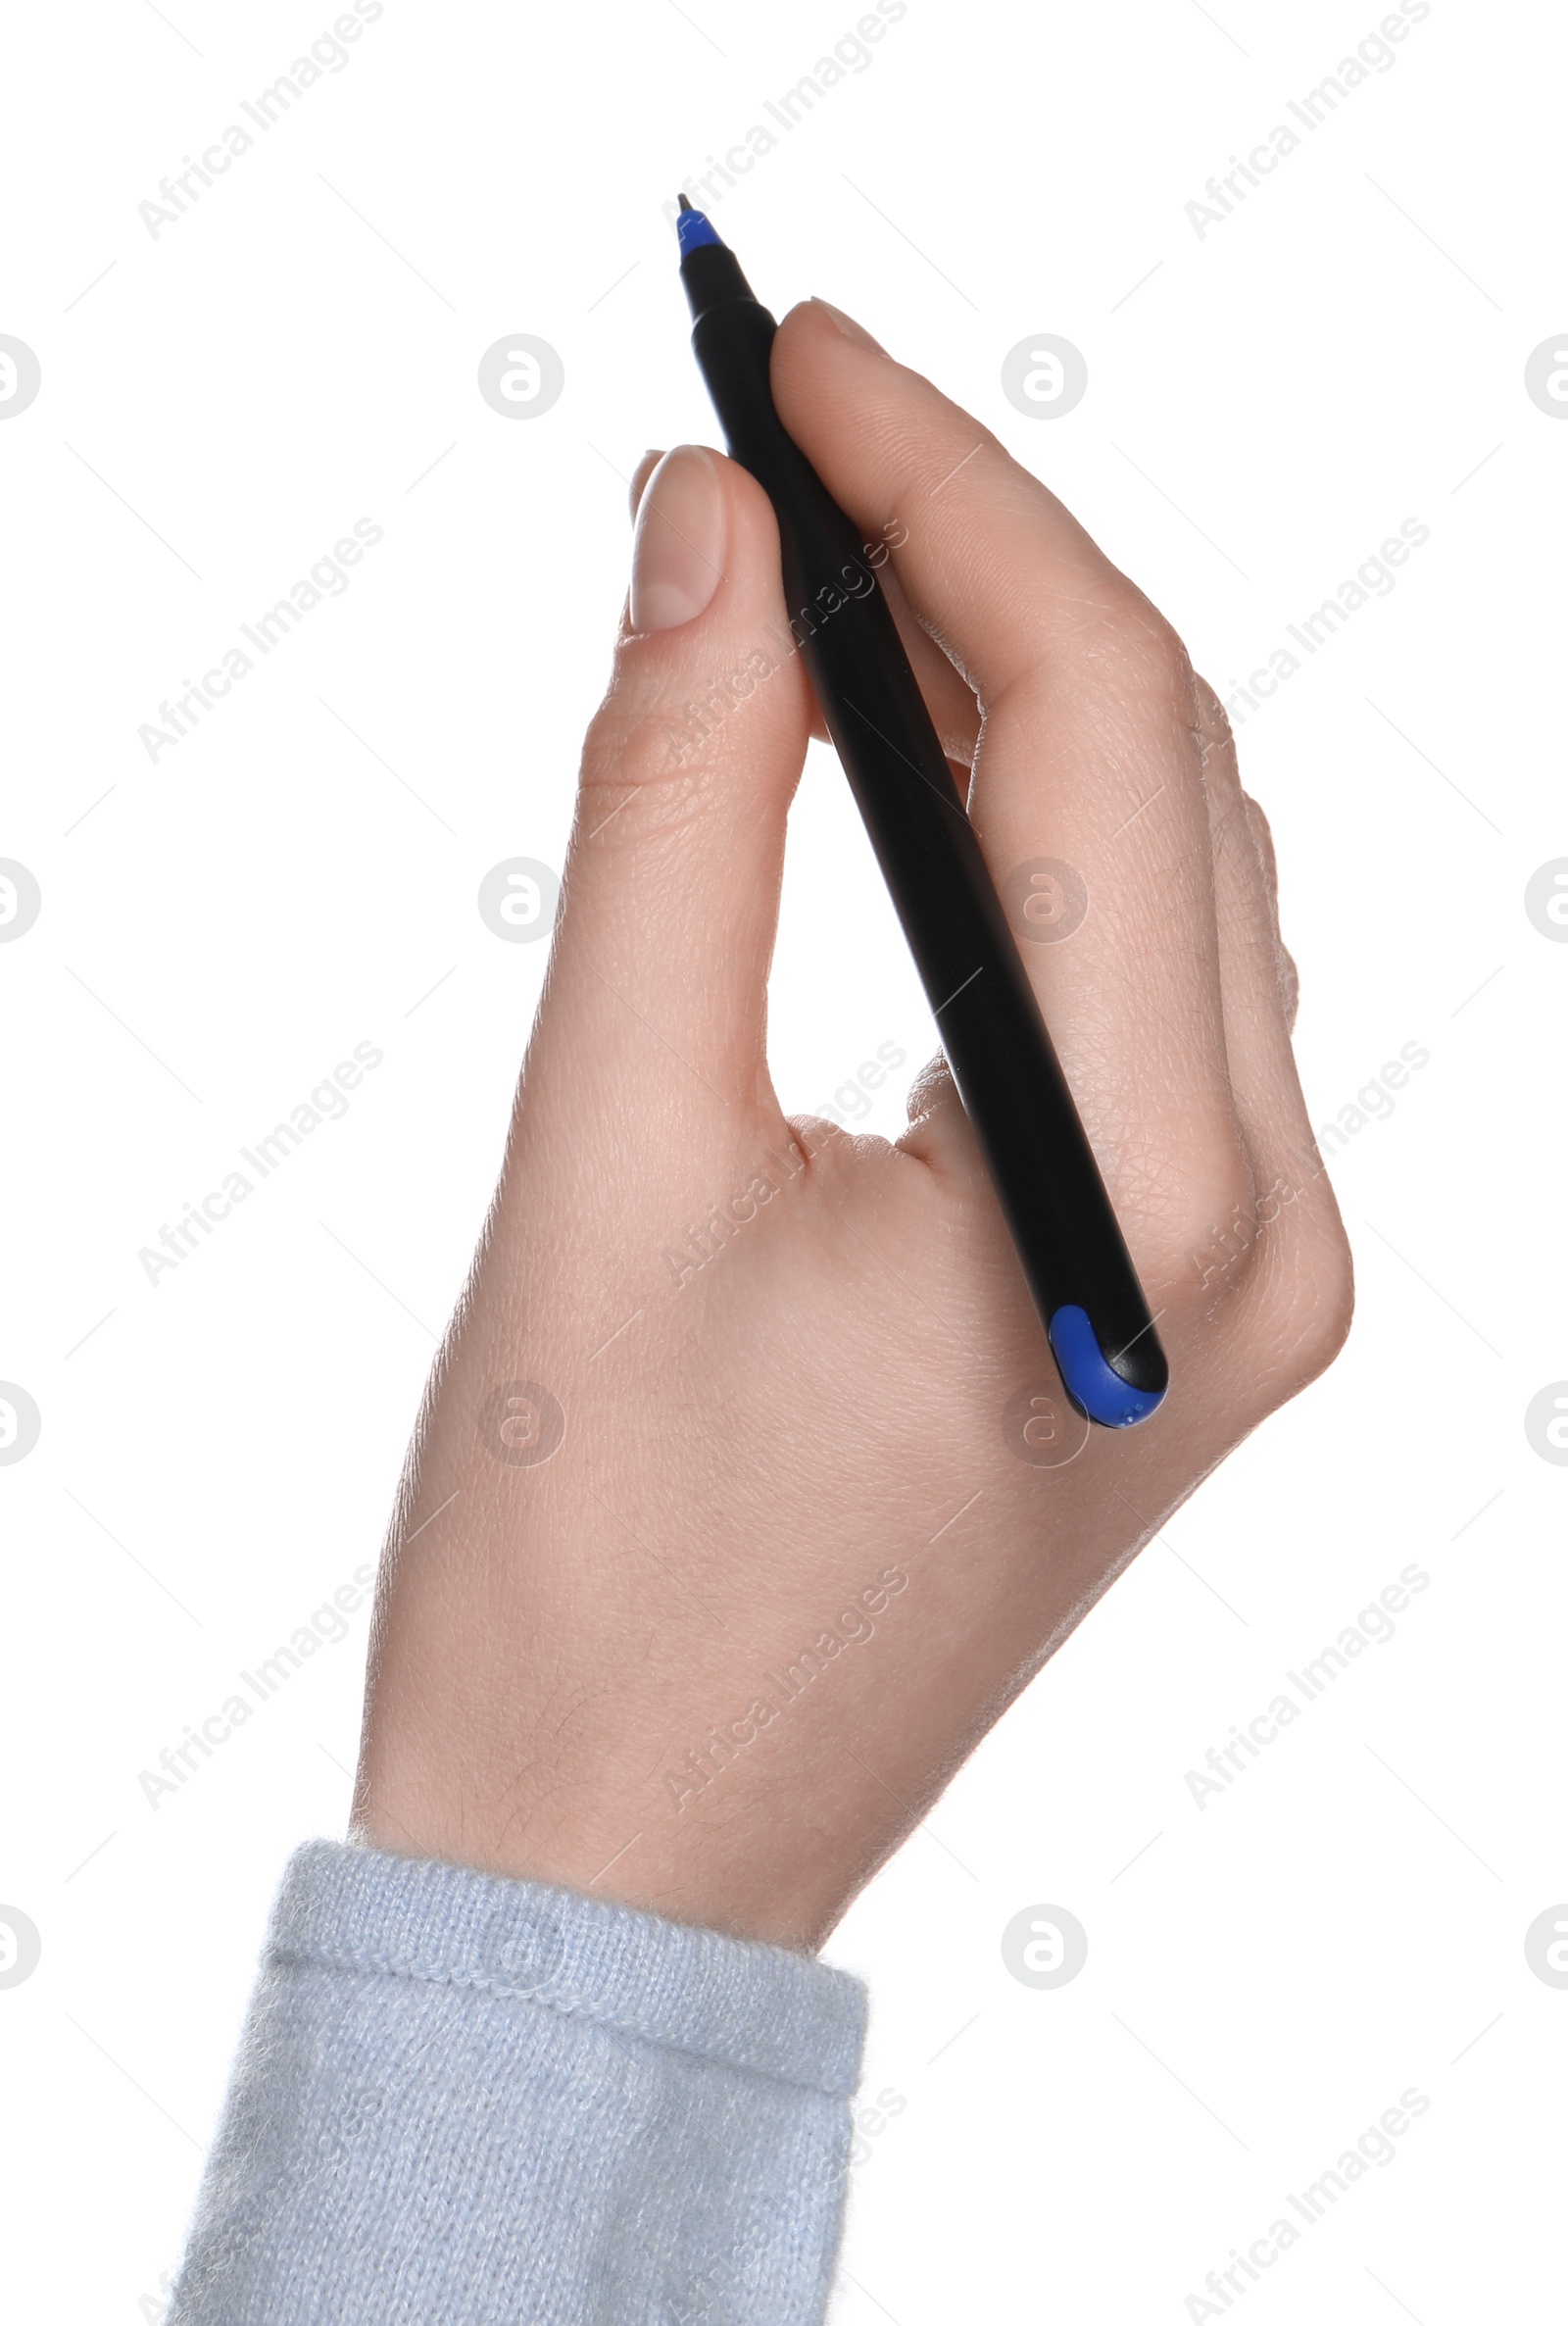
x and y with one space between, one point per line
1007 1072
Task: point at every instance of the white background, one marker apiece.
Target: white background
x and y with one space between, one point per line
1267 402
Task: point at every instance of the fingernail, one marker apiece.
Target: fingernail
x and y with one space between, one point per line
849 329
679 549
639 477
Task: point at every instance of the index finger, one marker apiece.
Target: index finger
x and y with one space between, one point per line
895 452
1089 769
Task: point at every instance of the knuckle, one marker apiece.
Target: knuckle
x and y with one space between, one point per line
1327 1326
1160 648
645 731
632 740
1295 1297
1215 736
1207 1230
1145 669
933 1087
1262 832
1289 978
1130 629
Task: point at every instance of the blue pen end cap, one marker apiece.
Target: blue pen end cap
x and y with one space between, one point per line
693 232
1091 1384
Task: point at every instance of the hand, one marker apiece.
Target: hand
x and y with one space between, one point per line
717 1649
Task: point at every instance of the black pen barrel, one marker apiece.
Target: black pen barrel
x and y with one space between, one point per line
996 1041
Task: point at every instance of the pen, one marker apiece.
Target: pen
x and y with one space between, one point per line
1040 1162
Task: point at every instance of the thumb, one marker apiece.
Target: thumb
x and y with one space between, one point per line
656 1001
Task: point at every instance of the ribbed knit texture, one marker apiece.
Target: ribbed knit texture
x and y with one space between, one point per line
462 2101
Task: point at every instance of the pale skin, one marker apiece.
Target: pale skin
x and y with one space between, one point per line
563 1648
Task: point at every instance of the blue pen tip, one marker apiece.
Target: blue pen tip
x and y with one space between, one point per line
1091 1384
693 231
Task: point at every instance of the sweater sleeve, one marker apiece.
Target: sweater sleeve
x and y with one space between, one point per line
462 2100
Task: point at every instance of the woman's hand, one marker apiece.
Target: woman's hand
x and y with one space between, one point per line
745 1497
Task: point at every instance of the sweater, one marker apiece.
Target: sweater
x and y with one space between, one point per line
463 2100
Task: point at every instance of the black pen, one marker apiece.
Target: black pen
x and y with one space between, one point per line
1042 1167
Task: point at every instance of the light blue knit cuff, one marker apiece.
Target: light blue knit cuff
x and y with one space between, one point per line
463 2101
